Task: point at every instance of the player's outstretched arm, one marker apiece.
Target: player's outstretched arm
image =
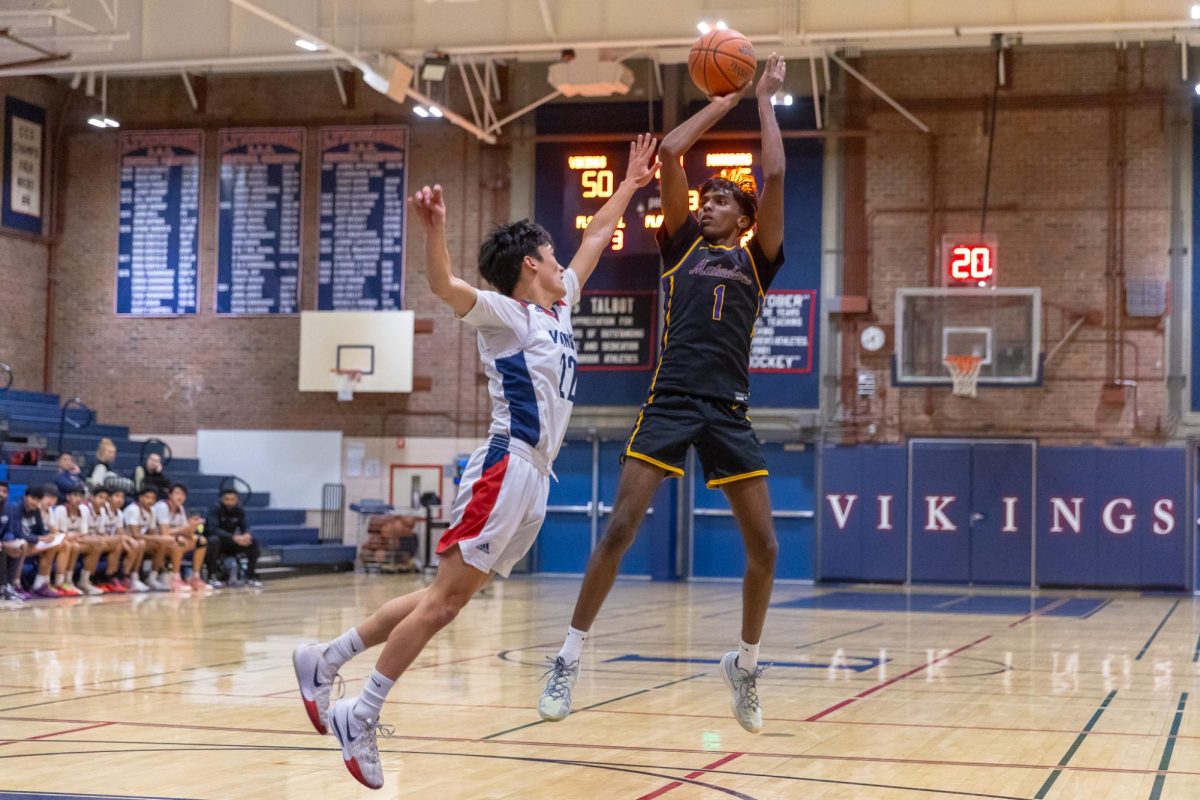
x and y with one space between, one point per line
770 202
640 171
678 142
429 207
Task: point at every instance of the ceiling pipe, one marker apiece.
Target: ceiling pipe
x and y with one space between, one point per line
365 67
171 66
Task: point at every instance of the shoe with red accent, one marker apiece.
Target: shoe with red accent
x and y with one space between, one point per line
67 590
178 584
360 750
117 587
47 592
315 677
199 586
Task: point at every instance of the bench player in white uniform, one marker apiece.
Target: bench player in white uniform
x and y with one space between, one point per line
528 351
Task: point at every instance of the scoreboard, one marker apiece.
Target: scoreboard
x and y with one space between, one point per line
591 173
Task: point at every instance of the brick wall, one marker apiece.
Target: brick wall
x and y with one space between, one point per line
177 375
1049 205
24 259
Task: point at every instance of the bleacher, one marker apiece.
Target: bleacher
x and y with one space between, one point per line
288 545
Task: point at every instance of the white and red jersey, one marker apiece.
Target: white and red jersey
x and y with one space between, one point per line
528 353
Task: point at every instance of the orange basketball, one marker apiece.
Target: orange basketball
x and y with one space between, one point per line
721 62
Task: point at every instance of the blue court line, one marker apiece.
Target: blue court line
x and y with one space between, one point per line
1146 646
5 795
1196 655
1165 762
1097 609
1001 604
869 663
1062 762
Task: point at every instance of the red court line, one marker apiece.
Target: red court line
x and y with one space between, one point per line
1050 607
56 733
691 776
877 687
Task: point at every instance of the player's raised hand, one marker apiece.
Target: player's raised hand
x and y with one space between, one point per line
642 161
728 101
428 205
771 80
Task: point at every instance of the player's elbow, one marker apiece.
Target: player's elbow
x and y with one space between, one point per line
670 148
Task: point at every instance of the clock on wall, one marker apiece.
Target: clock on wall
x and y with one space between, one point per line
872 338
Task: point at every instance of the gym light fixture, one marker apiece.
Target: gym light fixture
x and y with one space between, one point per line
1198 88
421 111
101 121
721 26
434 111
305 44
1196 11
435 67
704 28
781 100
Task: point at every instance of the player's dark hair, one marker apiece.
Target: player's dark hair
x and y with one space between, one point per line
99 490
229 491
175 486
503 251
36 492
742 193
148 489
4 484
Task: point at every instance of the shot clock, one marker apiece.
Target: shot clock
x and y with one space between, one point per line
969 261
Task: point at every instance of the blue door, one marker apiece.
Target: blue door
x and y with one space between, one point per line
940 503
717 550
1001 522
972 512
864 513
565 542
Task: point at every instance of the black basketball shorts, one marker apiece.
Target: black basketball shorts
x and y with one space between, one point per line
669 423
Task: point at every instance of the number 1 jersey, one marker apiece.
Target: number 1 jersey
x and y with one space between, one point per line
528 353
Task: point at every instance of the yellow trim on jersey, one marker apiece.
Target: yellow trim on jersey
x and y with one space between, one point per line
757 280
713 484
676 471
679 263
637 425
666 332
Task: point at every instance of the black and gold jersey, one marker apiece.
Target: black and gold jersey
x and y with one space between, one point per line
712 298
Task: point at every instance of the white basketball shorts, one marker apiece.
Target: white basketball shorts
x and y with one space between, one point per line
499 510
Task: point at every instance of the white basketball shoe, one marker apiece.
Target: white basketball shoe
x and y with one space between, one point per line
316 678
555 704
360 749
743 685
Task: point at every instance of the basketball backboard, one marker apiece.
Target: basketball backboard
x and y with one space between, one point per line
1000 326
379 344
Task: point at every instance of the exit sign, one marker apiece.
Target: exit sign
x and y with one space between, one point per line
969 261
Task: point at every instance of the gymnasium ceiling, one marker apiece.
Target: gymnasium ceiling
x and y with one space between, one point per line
134 35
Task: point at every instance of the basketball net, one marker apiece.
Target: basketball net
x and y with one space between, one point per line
346 380
965 372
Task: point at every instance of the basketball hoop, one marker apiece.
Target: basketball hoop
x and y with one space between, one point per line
965 372
346 380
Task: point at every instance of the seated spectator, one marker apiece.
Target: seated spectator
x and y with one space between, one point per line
151 474
26 525
69 475
141 523
74 518
12 551
106 528
103 473
227 522
174 521
132 546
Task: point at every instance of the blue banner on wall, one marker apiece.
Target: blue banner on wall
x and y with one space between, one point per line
258 253
363 186
158 238
24 158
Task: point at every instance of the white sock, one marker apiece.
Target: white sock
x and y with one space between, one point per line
747 657
40 581
572 645
343 648
59 579
369 704
84 576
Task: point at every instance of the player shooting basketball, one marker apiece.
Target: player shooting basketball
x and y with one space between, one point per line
527 347
714 288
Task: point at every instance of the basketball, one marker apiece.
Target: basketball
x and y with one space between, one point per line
721 62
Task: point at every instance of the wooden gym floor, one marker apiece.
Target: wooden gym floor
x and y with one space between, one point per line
874 694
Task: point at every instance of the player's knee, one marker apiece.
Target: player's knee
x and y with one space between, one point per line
762 548
622 530
441 610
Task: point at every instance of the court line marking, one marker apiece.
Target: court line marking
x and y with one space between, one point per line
839 636
706 768
4 742
1097 609
879 686
1196 655
203 747
1083 734
1146 646
1059 603
1168 749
